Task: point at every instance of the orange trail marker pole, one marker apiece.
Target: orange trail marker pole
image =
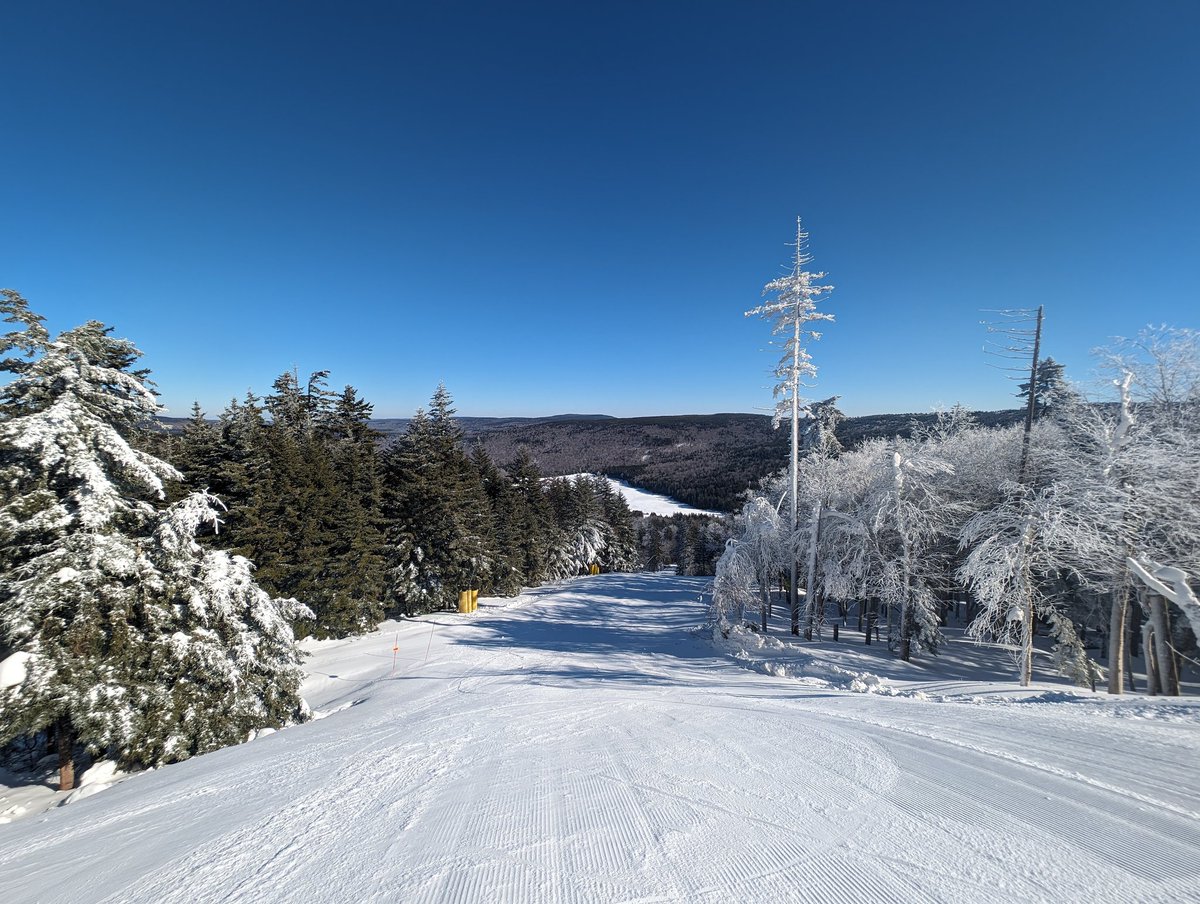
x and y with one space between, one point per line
395 650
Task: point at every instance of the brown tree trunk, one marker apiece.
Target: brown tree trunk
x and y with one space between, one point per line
65 739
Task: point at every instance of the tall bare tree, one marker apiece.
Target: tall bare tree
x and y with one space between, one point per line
792 306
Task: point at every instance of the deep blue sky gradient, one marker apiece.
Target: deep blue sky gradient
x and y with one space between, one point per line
567 207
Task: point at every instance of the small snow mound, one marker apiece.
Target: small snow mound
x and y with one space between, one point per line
326 713
11 813
742 645
103 774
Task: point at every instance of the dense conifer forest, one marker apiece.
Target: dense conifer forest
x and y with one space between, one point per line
153 583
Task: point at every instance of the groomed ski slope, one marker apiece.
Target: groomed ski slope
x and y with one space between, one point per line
582 743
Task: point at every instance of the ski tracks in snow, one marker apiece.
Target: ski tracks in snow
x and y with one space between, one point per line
584 746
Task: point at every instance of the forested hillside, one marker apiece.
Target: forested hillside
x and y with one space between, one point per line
705 460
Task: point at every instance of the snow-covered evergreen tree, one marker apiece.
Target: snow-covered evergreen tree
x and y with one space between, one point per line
621 553
132 639
440 534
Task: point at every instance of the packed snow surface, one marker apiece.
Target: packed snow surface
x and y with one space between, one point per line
588 742
650 503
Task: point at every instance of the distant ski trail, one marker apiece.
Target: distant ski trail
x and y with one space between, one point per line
581 745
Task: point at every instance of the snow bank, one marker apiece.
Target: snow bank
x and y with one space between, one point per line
754 651
1162 709
101 775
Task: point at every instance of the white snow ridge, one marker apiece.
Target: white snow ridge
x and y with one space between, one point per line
648 503
585 743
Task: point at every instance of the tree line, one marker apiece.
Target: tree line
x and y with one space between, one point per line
152 587
359 531
691 543
1097 536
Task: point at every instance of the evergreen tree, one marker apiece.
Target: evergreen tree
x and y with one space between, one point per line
357 576
1048 382
650 542
581 534
130 638
530 518
241 471
507 573
437 511
199 451
307 504
688 541
621 553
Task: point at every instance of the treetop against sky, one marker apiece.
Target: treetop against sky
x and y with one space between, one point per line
565 207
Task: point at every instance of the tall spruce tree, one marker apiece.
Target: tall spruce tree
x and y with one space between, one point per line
356 573
1048 383
507 574
437 511
128 637
621 553
530 517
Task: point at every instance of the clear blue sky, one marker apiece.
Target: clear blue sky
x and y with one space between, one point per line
566 207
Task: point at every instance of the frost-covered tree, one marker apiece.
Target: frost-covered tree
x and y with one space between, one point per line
792 308
1140 458
733 584
1017 550
1165 364
1047 384
130 638
909 514
1163 583
761 540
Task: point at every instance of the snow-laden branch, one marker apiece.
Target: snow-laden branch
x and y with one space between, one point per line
1172 583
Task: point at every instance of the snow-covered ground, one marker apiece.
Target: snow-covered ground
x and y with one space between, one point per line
587 743
651 503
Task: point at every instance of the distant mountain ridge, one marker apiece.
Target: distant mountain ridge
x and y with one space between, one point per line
704 460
